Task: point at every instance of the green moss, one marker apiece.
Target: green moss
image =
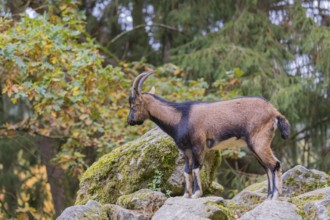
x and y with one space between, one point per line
314 182
126 200
301 202
257 186
290 181
252 198
329 211
224 213
128 168
307 175
212 163
298 172
238 210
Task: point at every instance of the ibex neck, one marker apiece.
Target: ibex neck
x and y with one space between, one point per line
164 114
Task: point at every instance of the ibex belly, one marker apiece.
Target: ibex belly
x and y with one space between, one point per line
229 143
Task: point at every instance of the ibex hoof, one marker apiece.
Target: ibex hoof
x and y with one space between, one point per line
273 196
186 195
197 194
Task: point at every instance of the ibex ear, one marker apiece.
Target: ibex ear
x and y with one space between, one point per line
152 90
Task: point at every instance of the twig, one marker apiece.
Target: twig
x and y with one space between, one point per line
139 27
309 127
238 172
102 48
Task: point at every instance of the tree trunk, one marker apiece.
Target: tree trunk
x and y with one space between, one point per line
139 40
48 149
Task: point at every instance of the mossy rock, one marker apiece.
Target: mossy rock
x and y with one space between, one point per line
144 199
92 210
299 180
252 195
273 210
314 204
133 166
211 207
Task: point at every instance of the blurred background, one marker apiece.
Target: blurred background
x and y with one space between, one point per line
66 67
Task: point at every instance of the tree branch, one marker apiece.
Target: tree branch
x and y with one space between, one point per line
102 48
309 127
139 27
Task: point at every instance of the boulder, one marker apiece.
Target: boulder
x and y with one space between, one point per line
299 180
188 209
314 204
115 212
247 199
96 211
133 166
92 210
144 199
273 210
252 195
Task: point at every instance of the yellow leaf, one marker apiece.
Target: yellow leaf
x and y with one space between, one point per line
75 91
53 113
53 60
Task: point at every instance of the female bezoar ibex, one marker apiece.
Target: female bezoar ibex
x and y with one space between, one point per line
200 126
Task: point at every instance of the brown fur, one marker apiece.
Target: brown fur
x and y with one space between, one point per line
160 110
255 117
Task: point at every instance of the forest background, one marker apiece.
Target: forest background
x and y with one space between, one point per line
66 67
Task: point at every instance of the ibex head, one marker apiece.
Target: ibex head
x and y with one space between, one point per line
138 112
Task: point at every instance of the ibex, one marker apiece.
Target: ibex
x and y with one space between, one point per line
197 127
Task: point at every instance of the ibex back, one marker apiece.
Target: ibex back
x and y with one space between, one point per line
197 127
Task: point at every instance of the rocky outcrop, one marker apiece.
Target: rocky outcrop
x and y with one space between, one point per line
115 188
308 201
135 165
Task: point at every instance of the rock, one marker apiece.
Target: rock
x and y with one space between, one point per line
176 180
116 212
273 210
247 199
92 210
314 204
96 211
252 195
187 209
318 210
133 166
144 199
306 192
216 189
299 180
